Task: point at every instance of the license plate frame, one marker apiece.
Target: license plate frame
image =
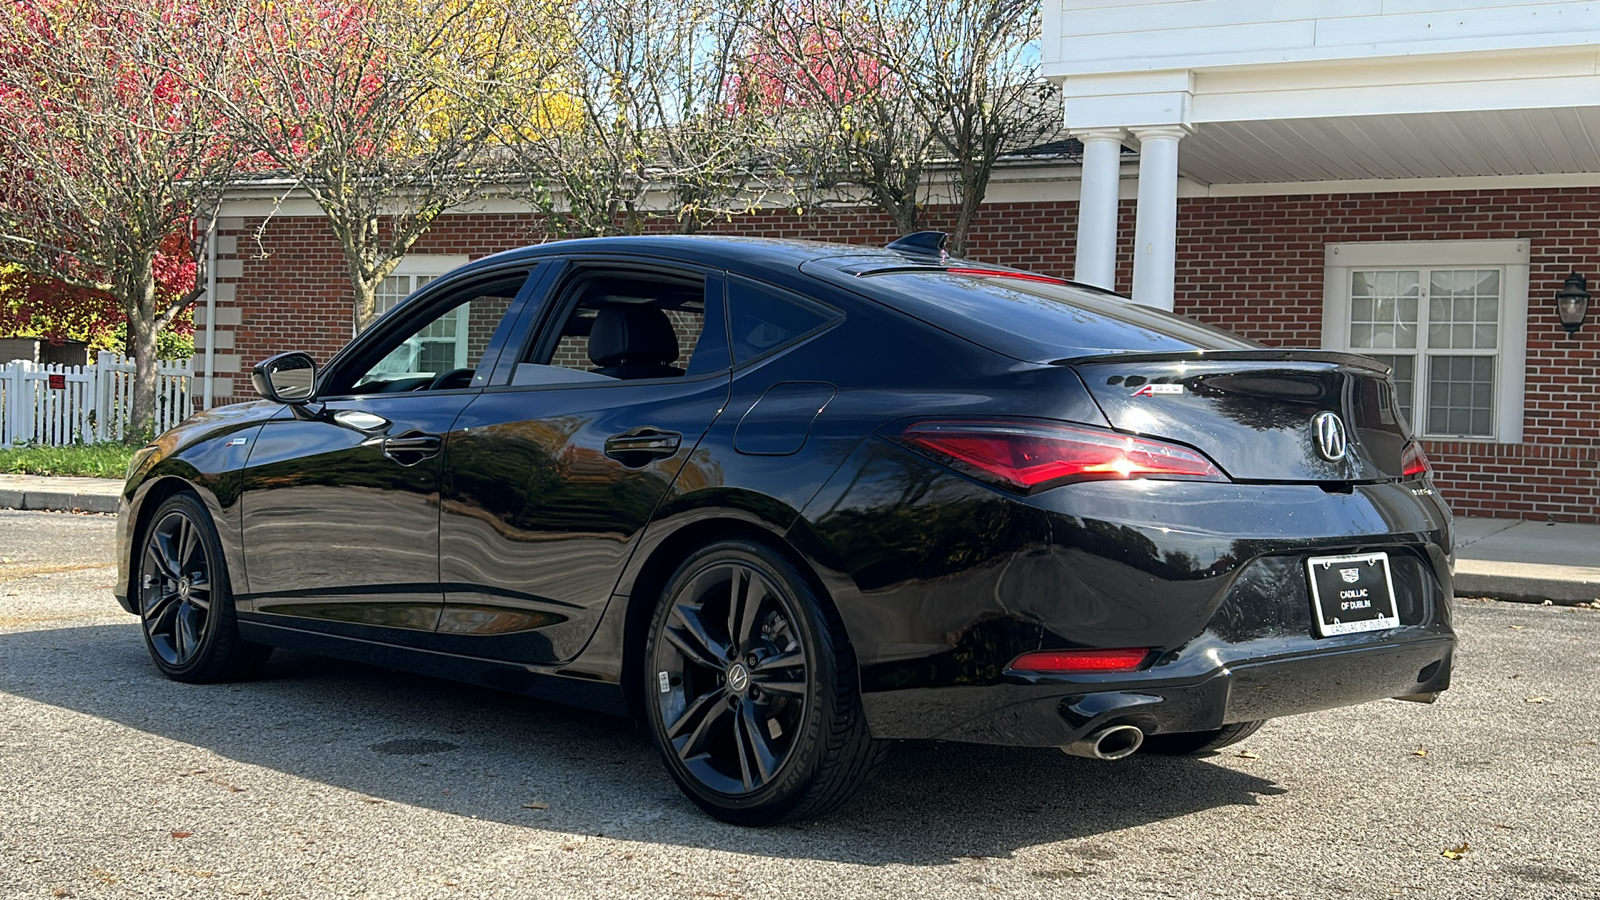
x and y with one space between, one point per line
1355 584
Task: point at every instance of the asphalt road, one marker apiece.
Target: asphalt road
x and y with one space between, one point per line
327 779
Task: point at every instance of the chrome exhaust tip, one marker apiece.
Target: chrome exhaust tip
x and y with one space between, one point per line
1116 742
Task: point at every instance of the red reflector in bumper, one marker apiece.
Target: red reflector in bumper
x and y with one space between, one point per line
1080 660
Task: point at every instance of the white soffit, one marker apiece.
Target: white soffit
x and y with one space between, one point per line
1085 37
1429 145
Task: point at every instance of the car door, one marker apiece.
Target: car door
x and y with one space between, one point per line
551 476
340 499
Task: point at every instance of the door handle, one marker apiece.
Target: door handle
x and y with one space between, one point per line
412 447
642 445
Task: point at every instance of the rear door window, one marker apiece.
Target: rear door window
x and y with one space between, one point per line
628 323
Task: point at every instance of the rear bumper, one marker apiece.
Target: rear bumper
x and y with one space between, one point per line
1284 679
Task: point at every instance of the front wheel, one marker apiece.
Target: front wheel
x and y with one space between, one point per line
753 699
185 605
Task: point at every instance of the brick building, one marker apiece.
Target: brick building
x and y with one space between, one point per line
1411 179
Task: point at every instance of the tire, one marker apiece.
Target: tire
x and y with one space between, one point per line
1188 743
751 690
185 604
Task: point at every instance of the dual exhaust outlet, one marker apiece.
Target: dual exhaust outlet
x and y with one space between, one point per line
1115 742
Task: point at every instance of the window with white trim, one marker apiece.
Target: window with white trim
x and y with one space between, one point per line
442 346
1450 320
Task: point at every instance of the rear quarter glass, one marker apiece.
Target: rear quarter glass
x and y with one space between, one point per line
1042 322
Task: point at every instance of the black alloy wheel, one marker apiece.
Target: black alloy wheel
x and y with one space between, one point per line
185 606
753 699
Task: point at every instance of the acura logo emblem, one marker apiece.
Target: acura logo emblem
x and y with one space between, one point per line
1329 434
738 678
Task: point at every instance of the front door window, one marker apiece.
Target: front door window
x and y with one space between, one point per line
438 347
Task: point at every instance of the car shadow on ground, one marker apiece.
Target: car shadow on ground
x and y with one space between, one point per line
471 751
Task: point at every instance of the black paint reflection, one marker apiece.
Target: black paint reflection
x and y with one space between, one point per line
955 581
538 522
330 521
1253 417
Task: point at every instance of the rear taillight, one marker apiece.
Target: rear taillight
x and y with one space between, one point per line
1028 456
1414 463
1080 660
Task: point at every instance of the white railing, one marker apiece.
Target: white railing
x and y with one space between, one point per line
58 405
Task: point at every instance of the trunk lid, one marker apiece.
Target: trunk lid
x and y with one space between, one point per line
1256 412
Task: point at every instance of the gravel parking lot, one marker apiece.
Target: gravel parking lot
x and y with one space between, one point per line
329 779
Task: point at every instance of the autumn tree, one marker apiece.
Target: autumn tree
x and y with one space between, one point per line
386 113
42 306
823 68
650 124
975 81
110 156
910 103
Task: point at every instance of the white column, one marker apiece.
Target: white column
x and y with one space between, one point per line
1096 259
1155 233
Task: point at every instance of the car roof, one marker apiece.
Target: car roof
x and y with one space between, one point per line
755 252
1027 321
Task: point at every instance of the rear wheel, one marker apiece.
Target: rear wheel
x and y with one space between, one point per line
185 605
1185 743
753 700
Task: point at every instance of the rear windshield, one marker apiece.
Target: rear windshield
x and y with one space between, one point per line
1040 321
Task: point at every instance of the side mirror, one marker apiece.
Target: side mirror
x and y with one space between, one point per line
286 378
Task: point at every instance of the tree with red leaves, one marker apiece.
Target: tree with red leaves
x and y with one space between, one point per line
912 102
41 306
386 113
823 68
112 157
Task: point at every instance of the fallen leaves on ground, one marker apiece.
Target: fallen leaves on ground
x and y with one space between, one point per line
1246 754
182 834
1456 852
1419 752
536 804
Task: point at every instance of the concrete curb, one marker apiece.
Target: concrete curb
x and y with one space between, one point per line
1527 588
56 501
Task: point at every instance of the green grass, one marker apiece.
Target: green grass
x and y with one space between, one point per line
109 460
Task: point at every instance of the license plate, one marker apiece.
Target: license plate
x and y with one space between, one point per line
1351 593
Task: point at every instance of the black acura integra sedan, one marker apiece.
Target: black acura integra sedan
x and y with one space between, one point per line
783 501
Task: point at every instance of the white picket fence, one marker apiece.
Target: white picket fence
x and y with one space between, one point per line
59 405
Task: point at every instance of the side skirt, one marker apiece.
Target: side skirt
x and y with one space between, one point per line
527 680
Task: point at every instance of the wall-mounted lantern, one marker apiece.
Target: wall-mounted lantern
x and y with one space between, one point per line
1572 302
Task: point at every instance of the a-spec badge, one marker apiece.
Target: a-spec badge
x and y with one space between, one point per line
237 442
1327 431
1150 390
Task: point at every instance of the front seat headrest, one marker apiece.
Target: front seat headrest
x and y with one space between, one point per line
627 335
